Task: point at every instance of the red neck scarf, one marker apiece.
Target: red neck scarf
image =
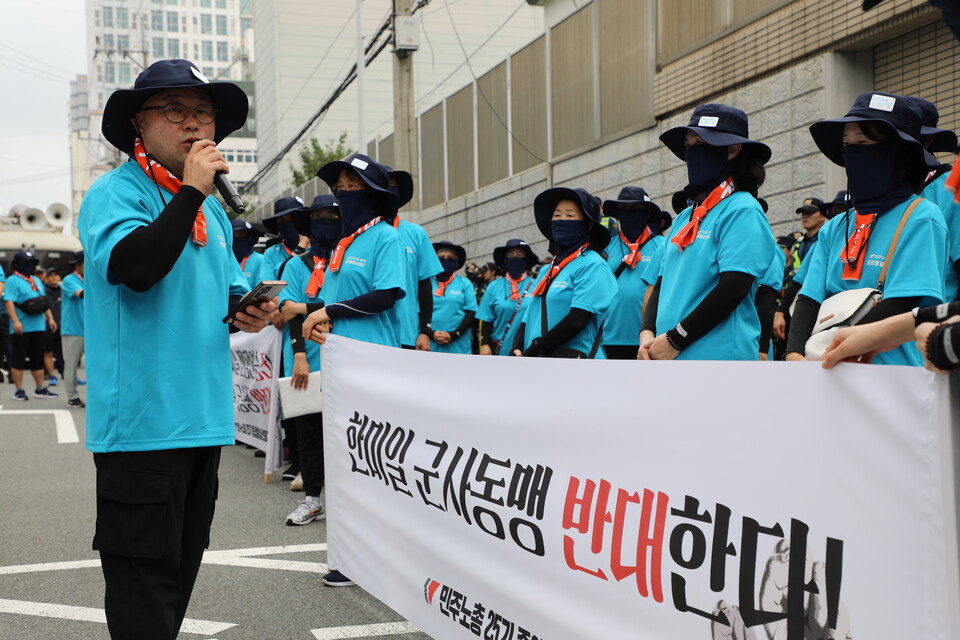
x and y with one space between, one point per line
156 172
442 285
856 245
316 277
396 222
514 286
33 285
345 243
243 263
633 257
688 234
555 270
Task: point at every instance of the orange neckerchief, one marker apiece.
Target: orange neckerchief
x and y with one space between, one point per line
442 286
396 222
688 234
156 172
953 181
633 257
33 285
855 245
243 263
345 243
555 270
931 176
316 276
514 285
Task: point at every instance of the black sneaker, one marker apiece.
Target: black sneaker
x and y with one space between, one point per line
337 579
76 402
291 472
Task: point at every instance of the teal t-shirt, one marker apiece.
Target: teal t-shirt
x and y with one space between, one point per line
251 268
734 236
372 262
71 306
652 272
622 326
918 267
773 276
448 312
297 276
17 290
937 193
496 307
270 263
585 283
420 263
158 361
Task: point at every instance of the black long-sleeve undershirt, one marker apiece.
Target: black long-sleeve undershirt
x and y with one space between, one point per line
486 331
147 254
649 319
569 326
789 294
425 302
367 304
464 325
766 301
805 318
732 287
295 325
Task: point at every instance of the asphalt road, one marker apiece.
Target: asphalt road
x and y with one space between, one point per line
260 578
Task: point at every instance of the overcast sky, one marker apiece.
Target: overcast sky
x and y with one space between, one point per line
41 49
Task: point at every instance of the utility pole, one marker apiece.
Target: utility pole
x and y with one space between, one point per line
405 156
361 98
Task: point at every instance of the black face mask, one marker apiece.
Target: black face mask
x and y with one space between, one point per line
25 268
515 266
242 246
707 166
872 178
324 234
569 234
632 223
288 231
356 209
448 266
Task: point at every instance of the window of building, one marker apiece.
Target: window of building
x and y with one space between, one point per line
156 20
206 4
208 71
221 4
108 16
109 73
248 158
157 49
228 156
108 41
221 25
223 72
123 18
123 43
206 24
206 48
245 24
123 69
173 48
96 17
245 7
173 2
173 21
222 53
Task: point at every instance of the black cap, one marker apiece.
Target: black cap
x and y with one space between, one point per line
810 205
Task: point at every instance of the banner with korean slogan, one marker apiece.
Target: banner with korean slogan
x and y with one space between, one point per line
256 365
515 498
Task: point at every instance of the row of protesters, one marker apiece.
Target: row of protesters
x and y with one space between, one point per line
27 305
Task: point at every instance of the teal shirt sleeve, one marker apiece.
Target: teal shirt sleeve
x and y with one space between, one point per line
812 274
485 309
743 242
470 302
652 272
918 265
428 264
594 289
773 276
388 264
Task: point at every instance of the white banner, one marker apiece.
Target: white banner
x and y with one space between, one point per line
507 498
256 366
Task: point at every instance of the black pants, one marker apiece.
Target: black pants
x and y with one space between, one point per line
154 510
621 352
310 445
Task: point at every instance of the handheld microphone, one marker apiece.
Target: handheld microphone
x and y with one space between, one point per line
230 195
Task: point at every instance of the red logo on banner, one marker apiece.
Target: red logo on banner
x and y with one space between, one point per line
429 588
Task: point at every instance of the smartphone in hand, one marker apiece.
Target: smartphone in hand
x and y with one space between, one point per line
266 290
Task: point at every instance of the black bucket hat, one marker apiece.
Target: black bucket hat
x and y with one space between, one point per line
301 216
680 201
500 253
282 207
404 184
631 196
719 125
841 199
545 203
943 139
373 174
228 99
898 114
77 258
457 249
28 258
810 205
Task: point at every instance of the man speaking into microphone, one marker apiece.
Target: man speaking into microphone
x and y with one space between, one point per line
160 277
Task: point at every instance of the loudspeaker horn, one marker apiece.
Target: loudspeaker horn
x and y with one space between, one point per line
33 219
57 214
17 210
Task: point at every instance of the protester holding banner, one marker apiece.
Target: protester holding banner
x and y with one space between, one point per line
575 291
630 251
420 265
454 302
161 279
506 299
305 276
245 236
877 143
702 306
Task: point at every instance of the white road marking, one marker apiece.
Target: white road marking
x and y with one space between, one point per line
66 429
49 566
364 631
89 614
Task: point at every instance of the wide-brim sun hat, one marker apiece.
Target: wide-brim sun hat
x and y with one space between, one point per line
301 216
404 184
457 249
500 253
77 258
228 99
899 115
370 171
282 207
943 139
718 125
629 197
545 203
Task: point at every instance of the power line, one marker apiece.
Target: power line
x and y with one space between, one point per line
18 52
31 71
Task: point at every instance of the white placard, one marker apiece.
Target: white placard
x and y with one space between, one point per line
256 364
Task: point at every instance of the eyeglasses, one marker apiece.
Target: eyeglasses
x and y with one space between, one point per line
326 213
177 113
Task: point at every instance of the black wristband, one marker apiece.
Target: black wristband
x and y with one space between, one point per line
936 313
677 339
941 351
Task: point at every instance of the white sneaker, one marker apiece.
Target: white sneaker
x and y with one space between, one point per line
309 510
297 483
